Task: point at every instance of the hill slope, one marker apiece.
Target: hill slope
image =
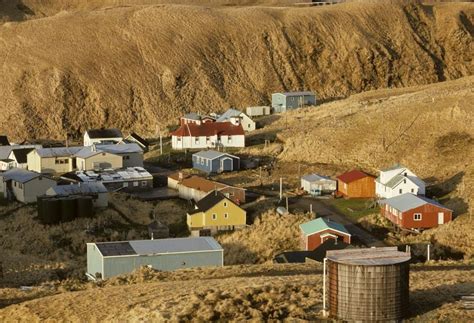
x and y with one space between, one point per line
136 67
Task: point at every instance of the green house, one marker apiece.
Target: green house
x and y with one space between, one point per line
108 259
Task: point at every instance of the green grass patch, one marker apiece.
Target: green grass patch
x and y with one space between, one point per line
353 208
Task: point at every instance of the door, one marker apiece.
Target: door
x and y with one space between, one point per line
440 217
227 165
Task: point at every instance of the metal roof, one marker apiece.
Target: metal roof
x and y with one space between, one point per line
80 188
409 201
212 154
19 175
352 176
229 114
316 177
111 176
104 133
393 167
20 154
5 151
58 151
120 148
159 246
192 116
300 93
87 152
368 256
321 224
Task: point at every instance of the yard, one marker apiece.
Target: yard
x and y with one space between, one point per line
354 209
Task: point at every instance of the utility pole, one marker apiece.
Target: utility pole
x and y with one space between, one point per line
161 145
287 210
311 209
260 171
281 188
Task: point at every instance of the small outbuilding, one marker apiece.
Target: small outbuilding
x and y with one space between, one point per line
281 102
409 211
315 232
109 259
316 185
23 185
19 157
258 111
356 184
211 161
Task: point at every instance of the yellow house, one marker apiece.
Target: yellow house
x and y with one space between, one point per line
215 212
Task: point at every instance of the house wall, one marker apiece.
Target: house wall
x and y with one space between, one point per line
34 161
247 123
257 111
106 160
361 188
132 159
313 241
173 183
203 164
94 260
101 201
236 217
207 142
89 142
48 165
29 191
429 216
404 187
114 266
326 186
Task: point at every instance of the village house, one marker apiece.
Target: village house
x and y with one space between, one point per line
194 118
56 160
19 157
409 211
130 179
6 164
398 180
281 102
97 190
258 111
195 188
132 154
102 136
316 185
211 162
23 185
134 138
214 213
356 184
236 117
315 232
89 158
108 259
4 141
208 135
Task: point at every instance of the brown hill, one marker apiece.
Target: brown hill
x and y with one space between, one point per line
139 66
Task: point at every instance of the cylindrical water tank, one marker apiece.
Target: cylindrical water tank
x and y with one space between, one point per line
368 284
68 209
84 207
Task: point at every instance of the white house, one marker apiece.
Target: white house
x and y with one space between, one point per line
19 157
99 193
55 160
208 135
247 123
316 184
23 185
89 158
397 180
105 136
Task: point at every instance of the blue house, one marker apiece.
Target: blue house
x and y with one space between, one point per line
211 161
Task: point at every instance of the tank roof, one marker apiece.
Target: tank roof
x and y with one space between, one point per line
368 256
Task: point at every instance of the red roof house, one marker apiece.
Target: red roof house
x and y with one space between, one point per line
356 184
208 135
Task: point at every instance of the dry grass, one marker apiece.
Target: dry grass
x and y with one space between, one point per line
138 66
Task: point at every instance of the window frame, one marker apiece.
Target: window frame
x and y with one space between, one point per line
415 216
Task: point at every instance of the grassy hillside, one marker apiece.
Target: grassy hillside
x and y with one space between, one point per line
139 66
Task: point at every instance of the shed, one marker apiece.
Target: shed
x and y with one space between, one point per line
108 259
317 185
368 285
409 211
315 232
97 190
258 111
283 101
211 161
356 184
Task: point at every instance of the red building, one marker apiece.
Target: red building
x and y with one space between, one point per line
314 233
409 211
356 184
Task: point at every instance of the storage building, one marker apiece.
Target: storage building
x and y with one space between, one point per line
23 185
211 161
316 185
108 259
356 184
315 232
281 102
258 111
368 285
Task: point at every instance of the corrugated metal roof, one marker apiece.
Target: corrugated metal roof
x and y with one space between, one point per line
368 256
81 188
316 177
321 224
159 246
409 201
87 152
58 151
120 148
208 129
229 114
192 116
5 151
19 175
212 154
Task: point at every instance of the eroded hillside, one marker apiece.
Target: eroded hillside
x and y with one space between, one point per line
136 67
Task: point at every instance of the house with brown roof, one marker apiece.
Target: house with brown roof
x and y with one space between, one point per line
356 184
192 187
208 135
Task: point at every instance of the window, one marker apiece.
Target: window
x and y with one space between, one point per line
417 216
248 126
208 139
125 184
202 161
144 183
207 162
196 140
404 181
225 204
214 216
400 191
229 139
226 215
135 184
178 139
413 190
